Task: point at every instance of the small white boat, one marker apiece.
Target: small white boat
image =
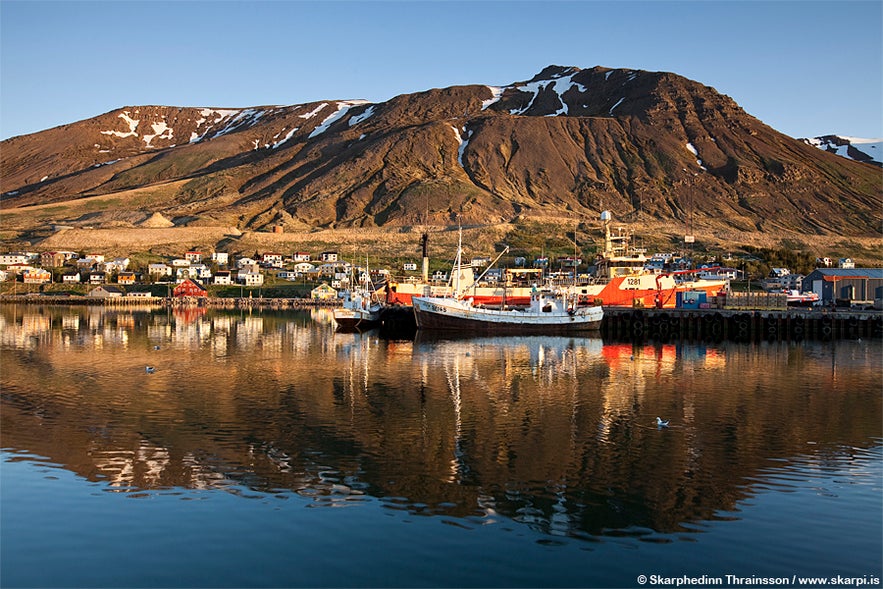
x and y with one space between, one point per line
359 310
550 312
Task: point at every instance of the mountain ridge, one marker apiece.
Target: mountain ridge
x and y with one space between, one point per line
567 142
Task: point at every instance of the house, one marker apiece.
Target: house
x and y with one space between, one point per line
117 265
71 278
845 284
53 259
189 288
301 257
304 268
245 262
37 276
249 278
323 292
223 277
106 292
126 278
97 277
193 257
140 294
328 256
88 263
180 263
221 258
845 263
287 275
13 258
409 266
272 259
159 270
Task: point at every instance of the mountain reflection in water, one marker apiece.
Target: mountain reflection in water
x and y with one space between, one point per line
554 432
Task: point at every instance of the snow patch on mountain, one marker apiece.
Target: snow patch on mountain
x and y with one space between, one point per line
342 108
854 148
559 85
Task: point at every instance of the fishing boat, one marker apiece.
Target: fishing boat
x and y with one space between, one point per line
621 277
550 312
359 310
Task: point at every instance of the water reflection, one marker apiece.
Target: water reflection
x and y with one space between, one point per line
557 433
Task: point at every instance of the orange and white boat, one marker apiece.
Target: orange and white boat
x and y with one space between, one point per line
621 277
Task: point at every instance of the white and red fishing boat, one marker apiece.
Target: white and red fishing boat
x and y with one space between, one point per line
621 277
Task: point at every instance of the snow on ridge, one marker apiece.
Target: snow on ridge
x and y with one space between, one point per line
560 84
496 94
873 148
342 108
617 104
359 118
133 124
462 144
692 149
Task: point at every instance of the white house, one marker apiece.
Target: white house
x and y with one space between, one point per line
193 257
8 259
222 258
329 256
301 257
845 263
245 263
159 270
304 268
73 278
409 266
249 278
272 258
180 263
223 277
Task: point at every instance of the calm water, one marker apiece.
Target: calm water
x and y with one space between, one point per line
267 450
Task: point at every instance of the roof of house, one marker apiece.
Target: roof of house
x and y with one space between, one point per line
850 272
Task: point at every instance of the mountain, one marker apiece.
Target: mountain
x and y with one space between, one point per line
564 144
854 148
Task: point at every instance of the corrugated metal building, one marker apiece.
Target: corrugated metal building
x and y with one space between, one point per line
848 284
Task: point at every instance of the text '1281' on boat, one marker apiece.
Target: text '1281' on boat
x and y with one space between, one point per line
550 311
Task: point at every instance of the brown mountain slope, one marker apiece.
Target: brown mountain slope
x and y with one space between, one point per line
565 144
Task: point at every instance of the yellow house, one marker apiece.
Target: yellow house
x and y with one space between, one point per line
323 292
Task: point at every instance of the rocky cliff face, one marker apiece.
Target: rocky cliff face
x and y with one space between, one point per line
567 143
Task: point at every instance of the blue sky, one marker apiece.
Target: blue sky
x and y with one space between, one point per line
805 68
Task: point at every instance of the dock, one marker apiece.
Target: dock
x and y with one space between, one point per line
741 325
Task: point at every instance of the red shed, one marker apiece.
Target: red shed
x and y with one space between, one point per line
189 288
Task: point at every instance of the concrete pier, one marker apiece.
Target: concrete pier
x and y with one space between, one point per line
741 325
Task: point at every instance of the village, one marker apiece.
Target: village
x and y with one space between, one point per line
324 276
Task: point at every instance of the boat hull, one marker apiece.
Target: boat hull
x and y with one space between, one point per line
450 315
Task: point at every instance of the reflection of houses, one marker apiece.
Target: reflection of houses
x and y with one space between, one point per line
323 292
106 291
846 284
189 288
